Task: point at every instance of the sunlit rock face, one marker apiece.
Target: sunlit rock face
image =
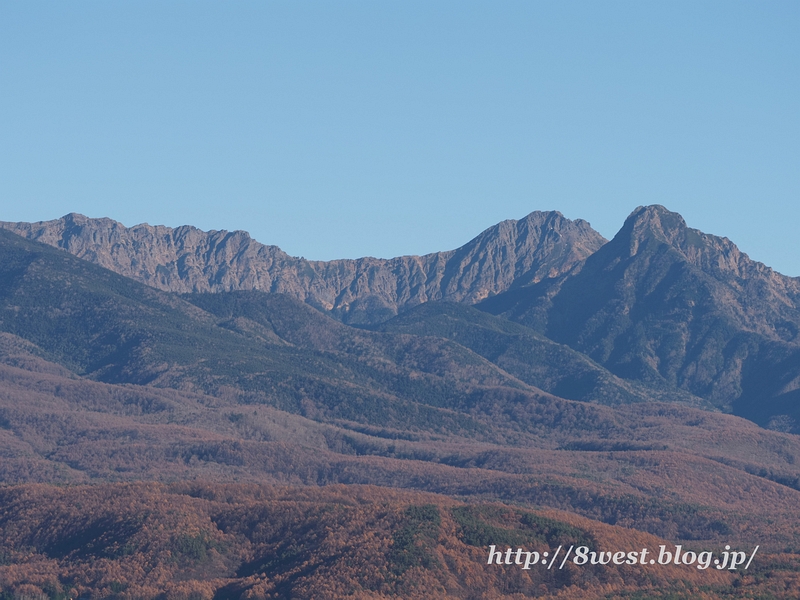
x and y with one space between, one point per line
364 290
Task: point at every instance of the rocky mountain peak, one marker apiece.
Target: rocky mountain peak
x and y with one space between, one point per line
717 256
666 303
536 247
750 293
655 223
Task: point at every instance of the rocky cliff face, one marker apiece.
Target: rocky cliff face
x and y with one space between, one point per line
365 290
749 293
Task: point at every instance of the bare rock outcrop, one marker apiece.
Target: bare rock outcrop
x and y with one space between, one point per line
364 290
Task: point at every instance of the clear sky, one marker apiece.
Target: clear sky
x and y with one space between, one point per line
353 128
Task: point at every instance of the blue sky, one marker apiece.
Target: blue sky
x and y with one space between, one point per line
344 129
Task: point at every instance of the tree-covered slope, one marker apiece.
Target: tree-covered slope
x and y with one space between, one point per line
527 354
106 327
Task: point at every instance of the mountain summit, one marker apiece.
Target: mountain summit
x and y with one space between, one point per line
747 292
671 306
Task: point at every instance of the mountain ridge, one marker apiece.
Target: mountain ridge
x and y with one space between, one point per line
364 290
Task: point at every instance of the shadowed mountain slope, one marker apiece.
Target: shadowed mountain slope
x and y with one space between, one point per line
528 355
670 306
366 290
517 350
260 349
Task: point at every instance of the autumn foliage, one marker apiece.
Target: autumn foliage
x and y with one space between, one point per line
201 541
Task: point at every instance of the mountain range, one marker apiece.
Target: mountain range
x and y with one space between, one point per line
647 385
366 290
662 305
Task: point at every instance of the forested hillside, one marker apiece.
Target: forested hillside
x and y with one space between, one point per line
199 541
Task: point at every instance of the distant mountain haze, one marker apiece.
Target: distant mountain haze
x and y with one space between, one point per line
364 290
